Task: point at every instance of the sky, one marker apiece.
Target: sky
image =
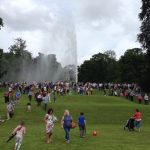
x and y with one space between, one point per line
66 26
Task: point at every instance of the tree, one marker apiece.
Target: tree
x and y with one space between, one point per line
100 68
19 48
132 66
111 54
1 23
144 38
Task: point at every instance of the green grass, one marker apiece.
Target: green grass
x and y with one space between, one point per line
106 115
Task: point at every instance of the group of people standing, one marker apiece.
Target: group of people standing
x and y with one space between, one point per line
66 123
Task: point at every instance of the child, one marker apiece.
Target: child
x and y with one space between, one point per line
19 131
29 107
82 124
10 110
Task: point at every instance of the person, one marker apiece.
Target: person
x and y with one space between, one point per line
6 97
82 124
39 99
29 107
54 96
66 122
30 95
49 124
49 96
19 131
137 118
146 99
10 110
18 95
45 101
139 97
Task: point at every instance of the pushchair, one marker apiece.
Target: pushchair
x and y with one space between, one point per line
130 124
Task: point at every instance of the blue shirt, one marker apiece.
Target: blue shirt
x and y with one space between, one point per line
67 121
81 120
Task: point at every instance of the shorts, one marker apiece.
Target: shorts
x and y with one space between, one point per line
137 124
81 127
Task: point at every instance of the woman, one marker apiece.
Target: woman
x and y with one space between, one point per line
20 130
137 118
66 122
49 124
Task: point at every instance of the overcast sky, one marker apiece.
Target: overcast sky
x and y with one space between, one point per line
52 26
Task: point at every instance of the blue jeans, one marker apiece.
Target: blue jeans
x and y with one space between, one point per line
137 124
67 130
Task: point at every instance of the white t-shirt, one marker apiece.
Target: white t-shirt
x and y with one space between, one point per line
146 97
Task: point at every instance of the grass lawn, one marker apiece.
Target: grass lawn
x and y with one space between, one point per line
107 115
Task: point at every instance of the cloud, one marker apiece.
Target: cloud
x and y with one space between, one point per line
62 26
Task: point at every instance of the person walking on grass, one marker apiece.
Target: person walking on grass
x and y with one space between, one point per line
66 122
82 124
49 125
146 99
45 101
10 110
30 95
19 131
137 118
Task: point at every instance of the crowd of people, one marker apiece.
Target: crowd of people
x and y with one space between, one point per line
47 92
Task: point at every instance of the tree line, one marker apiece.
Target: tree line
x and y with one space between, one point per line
104 67
133 66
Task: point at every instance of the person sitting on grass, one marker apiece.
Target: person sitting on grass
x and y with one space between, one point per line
19 131
82 124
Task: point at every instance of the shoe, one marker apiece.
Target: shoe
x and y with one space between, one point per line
67 141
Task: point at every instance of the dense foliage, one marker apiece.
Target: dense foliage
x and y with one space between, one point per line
144 39
103 67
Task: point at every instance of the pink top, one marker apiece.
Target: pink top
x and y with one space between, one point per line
137 116
20 130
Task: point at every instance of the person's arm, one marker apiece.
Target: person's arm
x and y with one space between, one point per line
85 122
62 121
24 132
45 118
15 130
134 116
